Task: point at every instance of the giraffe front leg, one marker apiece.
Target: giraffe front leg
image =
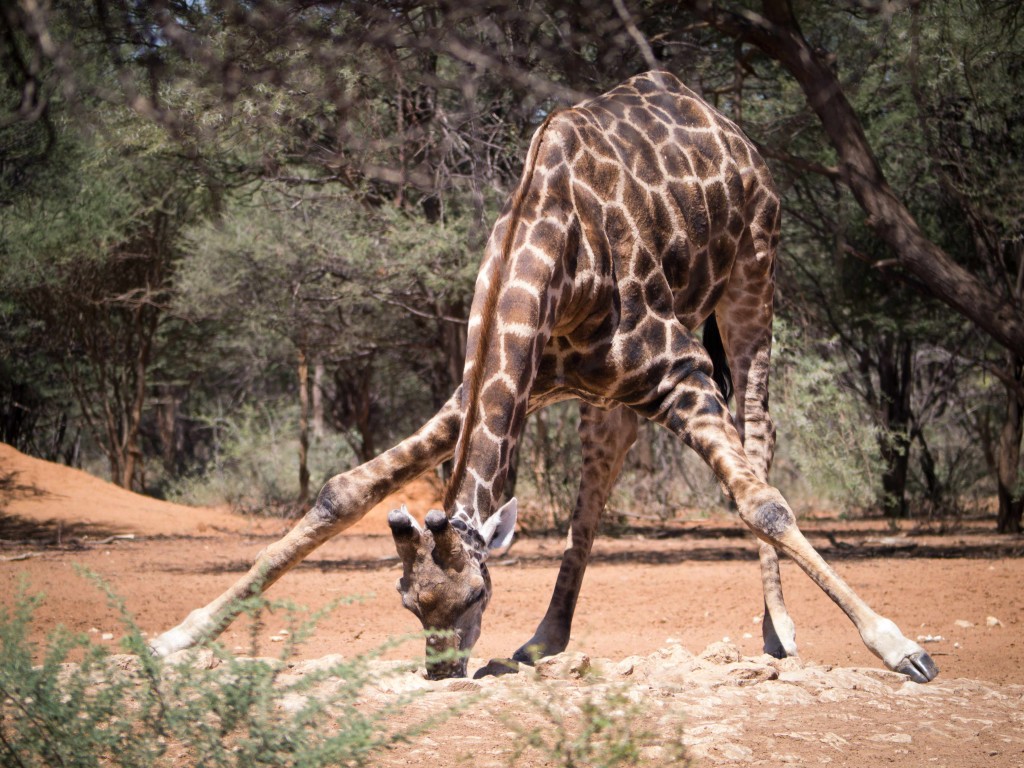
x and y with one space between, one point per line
692 408
343 500
771 519
605 436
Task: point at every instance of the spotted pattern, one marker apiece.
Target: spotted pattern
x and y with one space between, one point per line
646 211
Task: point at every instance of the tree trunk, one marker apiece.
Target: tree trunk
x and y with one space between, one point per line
1010 492
318 399
303 427
894 383
145 328
167 428
777 34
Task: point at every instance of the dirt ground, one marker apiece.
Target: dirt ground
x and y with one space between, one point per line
652 602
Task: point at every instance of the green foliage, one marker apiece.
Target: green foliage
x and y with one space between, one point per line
825 437
192 203
211 708
661 478
603 727
254 466
549 468
137 711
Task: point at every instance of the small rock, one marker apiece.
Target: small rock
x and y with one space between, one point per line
992 621
320 664
292 702
787 664
402 683
749 673
930 638
107 636
564 665
734 752
628 666
963 624
721 653
892 738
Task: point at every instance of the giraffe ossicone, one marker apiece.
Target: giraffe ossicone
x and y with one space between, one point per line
444 579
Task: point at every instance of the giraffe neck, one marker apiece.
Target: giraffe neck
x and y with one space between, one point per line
476 493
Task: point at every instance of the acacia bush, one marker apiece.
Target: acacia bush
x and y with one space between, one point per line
140 711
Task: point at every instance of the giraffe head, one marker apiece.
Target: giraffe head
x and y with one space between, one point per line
444 577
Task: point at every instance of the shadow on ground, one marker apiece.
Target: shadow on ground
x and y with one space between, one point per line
713 544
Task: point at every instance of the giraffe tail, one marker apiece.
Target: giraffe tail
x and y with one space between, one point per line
716 349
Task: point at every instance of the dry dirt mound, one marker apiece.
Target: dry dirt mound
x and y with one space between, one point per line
39 497
722 707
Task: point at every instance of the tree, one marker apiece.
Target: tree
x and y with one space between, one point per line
964 73
968 161
411 119
95 280
777 33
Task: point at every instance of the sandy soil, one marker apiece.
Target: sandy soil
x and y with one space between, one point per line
646 595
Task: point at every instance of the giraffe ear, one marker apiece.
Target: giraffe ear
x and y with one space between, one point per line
497 532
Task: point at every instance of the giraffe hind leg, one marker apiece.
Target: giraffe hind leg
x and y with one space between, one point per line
777 628
745 332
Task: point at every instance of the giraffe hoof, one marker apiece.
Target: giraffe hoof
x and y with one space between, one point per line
528 655
919 667
778 651
497 668
535 650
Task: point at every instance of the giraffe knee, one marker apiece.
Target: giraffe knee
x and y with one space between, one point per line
338 503
772 519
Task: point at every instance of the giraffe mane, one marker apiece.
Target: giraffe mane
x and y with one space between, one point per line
472 389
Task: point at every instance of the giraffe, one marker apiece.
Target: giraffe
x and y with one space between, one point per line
640 213
598 304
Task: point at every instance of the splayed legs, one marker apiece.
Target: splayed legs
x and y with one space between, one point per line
693 409
343 500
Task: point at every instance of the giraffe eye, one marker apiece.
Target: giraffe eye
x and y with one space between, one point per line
476 598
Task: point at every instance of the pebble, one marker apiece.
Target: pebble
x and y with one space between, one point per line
563 665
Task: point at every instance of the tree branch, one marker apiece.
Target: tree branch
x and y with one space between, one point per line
777 34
